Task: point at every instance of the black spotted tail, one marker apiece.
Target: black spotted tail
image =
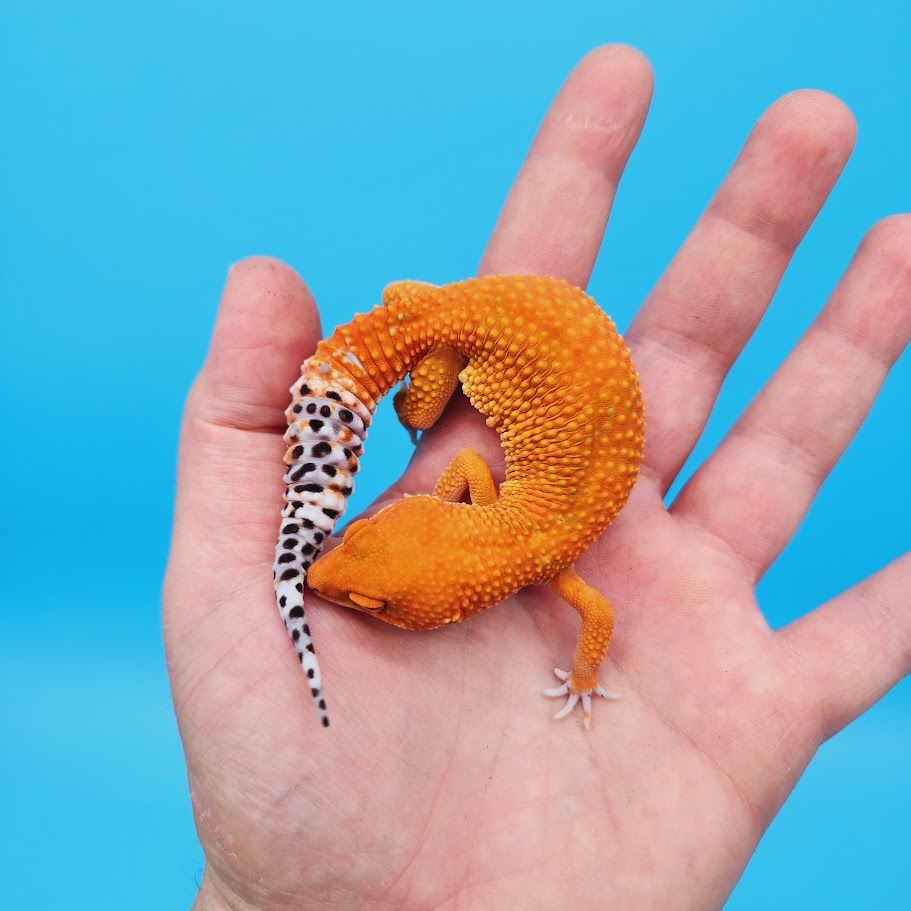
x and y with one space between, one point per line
327 428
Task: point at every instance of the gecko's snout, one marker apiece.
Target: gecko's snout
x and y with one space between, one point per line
378 567
334 578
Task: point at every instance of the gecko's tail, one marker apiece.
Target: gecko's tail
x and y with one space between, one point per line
327 426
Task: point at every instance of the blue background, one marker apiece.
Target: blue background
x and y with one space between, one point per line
145 147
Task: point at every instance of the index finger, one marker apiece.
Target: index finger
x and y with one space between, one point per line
554 217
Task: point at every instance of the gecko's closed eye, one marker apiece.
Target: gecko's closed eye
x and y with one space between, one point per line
371 604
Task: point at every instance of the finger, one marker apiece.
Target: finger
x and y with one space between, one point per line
267 324
847 654
707 304
223 637
229 476
554 217
753 492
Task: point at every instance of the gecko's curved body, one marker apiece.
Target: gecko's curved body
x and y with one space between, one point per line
547 368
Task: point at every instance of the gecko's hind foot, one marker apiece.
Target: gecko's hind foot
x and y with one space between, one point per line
573 698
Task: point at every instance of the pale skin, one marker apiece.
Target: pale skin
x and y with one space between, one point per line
444 782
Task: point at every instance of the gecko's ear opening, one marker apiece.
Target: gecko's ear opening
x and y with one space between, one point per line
370 604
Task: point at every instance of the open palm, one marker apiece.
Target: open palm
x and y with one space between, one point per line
443 781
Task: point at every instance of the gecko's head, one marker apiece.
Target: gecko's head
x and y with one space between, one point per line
393 566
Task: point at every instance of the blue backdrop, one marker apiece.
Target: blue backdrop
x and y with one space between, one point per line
147 146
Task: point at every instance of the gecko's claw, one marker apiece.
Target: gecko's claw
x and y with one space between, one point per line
573 698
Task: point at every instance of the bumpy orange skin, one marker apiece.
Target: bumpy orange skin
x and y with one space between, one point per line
548 369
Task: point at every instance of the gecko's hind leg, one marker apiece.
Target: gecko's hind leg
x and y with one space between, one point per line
433 380
594 637
467 471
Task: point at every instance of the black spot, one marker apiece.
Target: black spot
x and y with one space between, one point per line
296 612
290 544
307 549
307 523
316 425
332 513
304 469
314 692
311 673
311 408
296 504
298 408
332 394
318 537
325 411
320 450
300 657
291 529
325 722
306 629
289 573
322 704
305 389
345 415
282 601
310 488
309 648
329 470
286 558
347 453
300 587
297 452
295 634
346 491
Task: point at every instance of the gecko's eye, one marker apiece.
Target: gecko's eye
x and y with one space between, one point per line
369 604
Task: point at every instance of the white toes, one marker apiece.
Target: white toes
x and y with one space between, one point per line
573 698
587 710
570 705
557 690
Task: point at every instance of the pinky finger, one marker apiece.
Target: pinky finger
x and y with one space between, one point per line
848 653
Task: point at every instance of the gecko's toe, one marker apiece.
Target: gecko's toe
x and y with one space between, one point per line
559 690
573 698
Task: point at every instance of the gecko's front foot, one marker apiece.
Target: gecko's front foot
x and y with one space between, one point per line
573 698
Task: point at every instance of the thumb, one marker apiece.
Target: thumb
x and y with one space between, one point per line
267 324
230 466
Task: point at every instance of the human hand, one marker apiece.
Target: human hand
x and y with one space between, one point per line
443 781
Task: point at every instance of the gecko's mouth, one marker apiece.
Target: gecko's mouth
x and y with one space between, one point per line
354 600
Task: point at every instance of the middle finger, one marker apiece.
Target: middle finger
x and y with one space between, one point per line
707 304
554 218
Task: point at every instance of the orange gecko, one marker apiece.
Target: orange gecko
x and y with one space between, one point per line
549 371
